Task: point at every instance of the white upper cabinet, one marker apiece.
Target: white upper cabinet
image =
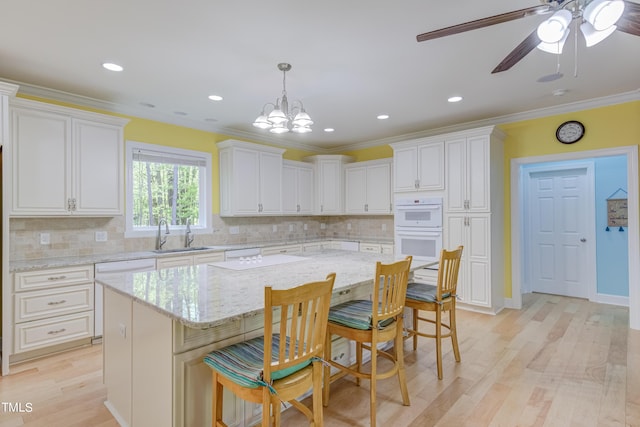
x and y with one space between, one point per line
250 179
328 176
418 165
297 188
368 187
469 175
65 161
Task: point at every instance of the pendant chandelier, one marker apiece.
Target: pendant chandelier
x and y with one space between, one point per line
280 119
598 19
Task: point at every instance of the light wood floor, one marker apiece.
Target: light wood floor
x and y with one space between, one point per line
557 362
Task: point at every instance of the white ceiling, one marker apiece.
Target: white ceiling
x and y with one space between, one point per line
352 60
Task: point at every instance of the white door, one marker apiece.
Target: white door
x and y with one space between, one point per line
561 231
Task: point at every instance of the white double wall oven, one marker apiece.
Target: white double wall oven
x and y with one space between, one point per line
418 227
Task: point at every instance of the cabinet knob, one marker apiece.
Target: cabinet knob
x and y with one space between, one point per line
583 240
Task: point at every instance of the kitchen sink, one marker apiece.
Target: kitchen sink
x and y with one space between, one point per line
169 251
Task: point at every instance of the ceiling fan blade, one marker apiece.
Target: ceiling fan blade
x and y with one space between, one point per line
630 20
484 22
519 52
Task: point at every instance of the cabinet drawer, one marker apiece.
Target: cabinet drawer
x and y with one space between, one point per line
207 258
370 247
177 261
53 277
53 302
288 249
186 338
47 332
425 275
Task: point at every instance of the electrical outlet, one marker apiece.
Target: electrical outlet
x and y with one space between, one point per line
291 227
323 226
45 238
101 236
234 230
348 226
274 228
122 328
384 227
305 227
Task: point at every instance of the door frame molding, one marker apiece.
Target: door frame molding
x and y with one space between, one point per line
517 252
589 167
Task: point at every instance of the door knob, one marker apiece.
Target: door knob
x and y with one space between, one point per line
583 240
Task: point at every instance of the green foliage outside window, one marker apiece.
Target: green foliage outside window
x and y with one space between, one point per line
165 190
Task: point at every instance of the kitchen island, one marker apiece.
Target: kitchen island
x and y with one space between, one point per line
158 326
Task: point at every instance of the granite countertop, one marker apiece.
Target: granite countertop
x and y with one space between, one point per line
36 264
205 296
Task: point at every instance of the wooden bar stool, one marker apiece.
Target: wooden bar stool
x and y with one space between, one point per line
285 363
370 323
440 298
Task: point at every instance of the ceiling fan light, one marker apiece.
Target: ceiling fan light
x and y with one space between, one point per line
555 48
602 14
592 37
553 29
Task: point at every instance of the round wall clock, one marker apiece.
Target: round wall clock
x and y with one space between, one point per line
570 132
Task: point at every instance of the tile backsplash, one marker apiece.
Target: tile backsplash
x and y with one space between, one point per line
76 236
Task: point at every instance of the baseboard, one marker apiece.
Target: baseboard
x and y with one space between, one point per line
115 414
611 299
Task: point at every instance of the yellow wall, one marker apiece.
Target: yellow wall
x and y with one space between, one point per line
373 153
606 127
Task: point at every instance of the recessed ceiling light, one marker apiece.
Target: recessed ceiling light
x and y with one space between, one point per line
112 67
147 104
455 99
215 97
383 117
180 113
559 92
210 119
329 129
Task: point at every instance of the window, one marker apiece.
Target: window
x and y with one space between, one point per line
167 183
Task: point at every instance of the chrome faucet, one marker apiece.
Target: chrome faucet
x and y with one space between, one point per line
188 237
159 240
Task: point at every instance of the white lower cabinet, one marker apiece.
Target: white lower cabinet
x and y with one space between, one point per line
480 266
51 308
285 249
186 260
154 366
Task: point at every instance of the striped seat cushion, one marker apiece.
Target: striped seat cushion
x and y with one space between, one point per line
423 292
356 314
242 363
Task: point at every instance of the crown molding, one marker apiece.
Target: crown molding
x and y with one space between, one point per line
145 113
509 118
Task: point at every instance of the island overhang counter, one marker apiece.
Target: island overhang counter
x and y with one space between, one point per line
158 326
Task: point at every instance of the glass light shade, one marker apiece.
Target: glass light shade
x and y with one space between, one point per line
279 128
602 14
277 117
301 129
555 48
262 122
553 29
302 119
593 37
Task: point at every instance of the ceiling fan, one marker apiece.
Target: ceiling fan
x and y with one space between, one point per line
629 23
